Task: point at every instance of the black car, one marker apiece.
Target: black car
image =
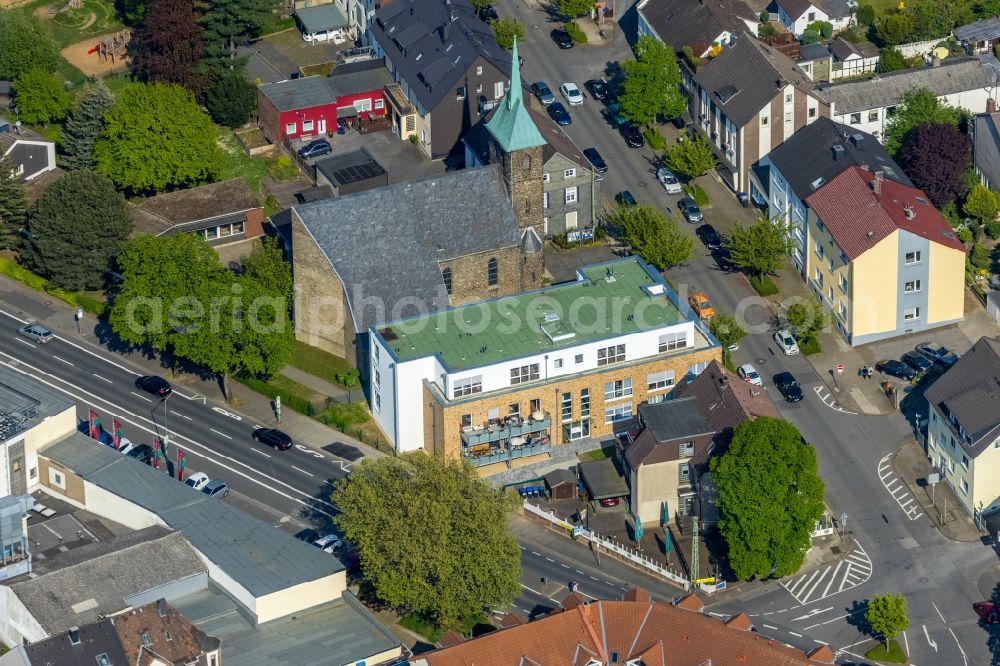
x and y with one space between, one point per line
562 38
295 76
597 87
724 260
143 453
308 535
273 438
595 158
315 149
488 14
896 369
158 386
559 114
709 236
679 122
633 137
625 198
788 387
918 362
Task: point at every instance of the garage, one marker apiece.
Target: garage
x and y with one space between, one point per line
602 480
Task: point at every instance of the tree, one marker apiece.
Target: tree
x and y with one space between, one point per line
760 247
170 45
40 98
936 157
979 257
84 126
231 99
727 331
765 16
157 137
918 107
134 10
506 30
480 5
658 240
24 45
933 19
887 616
808 318
982 204
651 83
13 204
770 497
267 266
571 9
894 29
351 379
866 15
76 229
891 60
229 23
431 535
692 157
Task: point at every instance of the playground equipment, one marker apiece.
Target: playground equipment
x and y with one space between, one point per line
112 48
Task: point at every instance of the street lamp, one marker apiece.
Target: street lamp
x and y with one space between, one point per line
166 422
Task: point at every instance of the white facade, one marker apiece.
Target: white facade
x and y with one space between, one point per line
874 120
949 458
798 24
855 65
784 205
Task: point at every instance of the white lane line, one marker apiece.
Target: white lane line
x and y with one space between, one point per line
964 658
938 610
564 566
579 572
103 379
609 583
812 589
821 642
550 560
266 455
521 547
767 626
60 358
141 397
311 474
595 578
795 634
223 434
536 553
183 416
832 578
903 500
24 342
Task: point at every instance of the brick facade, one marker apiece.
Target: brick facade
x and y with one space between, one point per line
73 484
470 275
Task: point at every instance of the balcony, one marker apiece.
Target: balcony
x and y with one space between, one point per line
398 100
506 430
494 455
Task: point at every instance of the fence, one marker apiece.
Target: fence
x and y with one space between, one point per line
620 550
914 49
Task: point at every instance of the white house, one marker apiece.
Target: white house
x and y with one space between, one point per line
701 24
797 15
850 60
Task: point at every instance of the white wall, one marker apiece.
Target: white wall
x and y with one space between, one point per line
17 624
108 505
798 24
971 100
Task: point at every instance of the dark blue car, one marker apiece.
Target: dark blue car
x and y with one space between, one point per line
559 114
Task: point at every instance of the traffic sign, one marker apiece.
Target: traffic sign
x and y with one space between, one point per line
840 367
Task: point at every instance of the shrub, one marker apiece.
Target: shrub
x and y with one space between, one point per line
809 346
764 286
979 257
964 235
993 229
767 30
654 138
299 404
765 16
809 37
573 30
693 61
697 192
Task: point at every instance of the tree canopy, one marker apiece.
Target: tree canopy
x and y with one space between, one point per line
808 318
40 97
267 266
24 45
170 45
761 247
230 98
691 157
770 497
726 330
84 126
229 23
574 8
431 536
894 29
887 615
156 137
918 107
13 204
75 231
506 30
651 83
657 239
982 203
891 60
936 157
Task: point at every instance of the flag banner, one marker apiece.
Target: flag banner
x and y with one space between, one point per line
157 452
92 424
97 428
116 429
181 462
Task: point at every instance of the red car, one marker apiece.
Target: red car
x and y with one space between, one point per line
610 501
987 611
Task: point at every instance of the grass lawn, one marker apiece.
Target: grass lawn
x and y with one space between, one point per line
892 654
472 625
597 454
237 164
765 286
321 69
317 362
74 25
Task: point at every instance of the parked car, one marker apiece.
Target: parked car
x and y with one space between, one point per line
35 332
155 385
917 361
488 14
216 488
571 94
562 38
274 438
329 543
896 369
938 353
613 114
669 181
198 480
723 259
679 122
308 535
748 373
786 343
559 114
625 198
788 387
701 305
709 236
690 210
598 88
124 444
143 453
594 157
543 93
315 148
633 137
610 501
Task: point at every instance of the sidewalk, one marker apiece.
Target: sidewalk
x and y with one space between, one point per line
318 385
25 303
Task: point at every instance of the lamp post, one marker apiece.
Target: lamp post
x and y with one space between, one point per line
166 424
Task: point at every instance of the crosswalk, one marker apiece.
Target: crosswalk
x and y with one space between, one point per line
897 489
827 581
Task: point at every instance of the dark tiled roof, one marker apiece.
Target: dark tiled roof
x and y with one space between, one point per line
755 71
675 419
795 8
810 52
358 77
806 160
95 640
559 476
844 49
970 391
602 478
726 399
386 243
681 23
430 50
980 30
293 94
165 211
986 148
157 627
836 9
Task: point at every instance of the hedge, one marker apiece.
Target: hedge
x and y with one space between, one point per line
14 270
654 138
574 31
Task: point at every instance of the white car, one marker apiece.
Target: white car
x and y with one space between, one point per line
571 93
197 481
328 544
749 374
125 445
668 180
786 342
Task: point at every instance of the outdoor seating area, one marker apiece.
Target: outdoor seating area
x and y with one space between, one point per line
504 438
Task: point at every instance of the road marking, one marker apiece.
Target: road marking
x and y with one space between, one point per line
266 455
938 612
964 658
885 472
578 571
906 641
767 626
141 397
231 415
826 590
930 642
595 578
609 583
795 634
60 358
815 611
550 560
850 572
821 642
301 470
536 553
220 433
564 566
829 400
25 342
183 416
103 379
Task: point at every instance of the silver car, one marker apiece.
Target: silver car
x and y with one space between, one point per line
35 332
669 181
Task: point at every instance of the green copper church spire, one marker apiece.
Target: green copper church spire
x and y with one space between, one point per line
511 125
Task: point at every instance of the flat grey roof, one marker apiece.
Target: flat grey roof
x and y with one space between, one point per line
352 167
293 94
602 478
23 395
322 18
258 556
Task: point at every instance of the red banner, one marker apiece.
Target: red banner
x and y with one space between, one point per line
92 425
116 429
181 462
157 452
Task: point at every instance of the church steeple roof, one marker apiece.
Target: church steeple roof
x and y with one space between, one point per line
511 125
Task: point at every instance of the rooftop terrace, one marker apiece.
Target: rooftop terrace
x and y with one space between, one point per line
611 299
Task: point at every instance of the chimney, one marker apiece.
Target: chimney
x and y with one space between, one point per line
161 607
908 212
880 175
857 140
446 32
837 151
870 234
74 635
877 186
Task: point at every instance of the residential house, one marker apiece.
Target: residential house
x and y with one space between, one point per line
798 15
361 14
359 88
355 171
868 104
322 23
980 36
222 213
747 101
850 59
448 68
726 401
31 154
512 377
815 155
815 60
634 630
882 258
702 25
963 427
985 131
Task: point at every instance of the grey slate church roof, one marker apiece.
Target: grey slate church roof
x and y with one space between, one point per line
385 243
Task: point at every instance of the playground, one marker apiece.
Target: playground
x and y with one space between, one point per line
71 21
99 55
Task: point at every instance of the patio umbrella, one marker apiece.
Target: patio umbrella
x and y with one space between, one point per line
638 527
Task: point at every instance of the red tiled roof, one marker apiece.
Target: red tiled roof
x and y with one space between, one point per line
636 594
859 217
450 638
823 654
691 602
512 619
741 621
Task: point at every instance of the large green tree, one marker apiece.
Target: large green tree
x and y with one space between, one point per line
770 497
894 29
267 266
431 536
170 45
13 204
651 83
887 616
727 330
657 239
982 204
891 60
918 107
230 98
571 9
808 318
40 97
229 23
691 157
75 231
760 247
24 45
84 126
156 137
506 30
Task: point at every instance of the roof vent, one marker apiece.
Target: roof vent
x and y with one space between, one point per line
74 635
161 607
551 316
870 234
857 139
654 289
838 152
816 183
908 212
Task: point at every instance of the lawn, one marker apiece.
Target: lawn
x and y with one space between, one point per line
892 653
237 164
597 454
317 362
472 625
96 17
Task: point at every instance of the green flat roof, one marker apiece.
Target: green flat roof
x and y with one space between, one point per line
613 300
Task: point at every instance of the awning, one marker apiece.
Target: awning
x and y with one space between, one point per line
346 112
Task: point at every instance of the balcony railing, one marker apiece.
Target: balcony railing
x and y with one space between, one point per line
496 455
497 432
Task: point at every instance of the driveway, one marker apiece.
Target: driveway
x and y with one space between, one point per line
401 159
